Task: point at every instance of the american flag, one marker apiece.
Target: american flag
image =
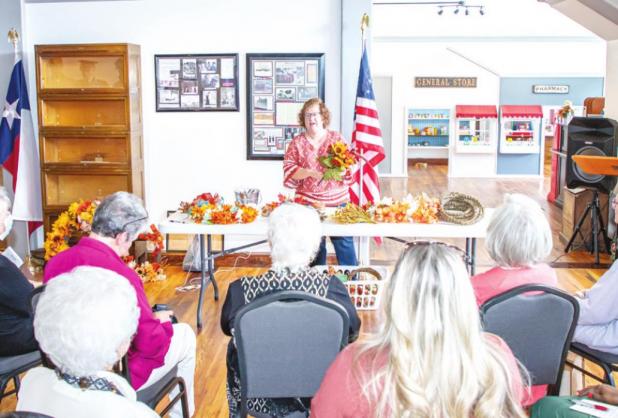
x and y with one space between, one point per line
366 139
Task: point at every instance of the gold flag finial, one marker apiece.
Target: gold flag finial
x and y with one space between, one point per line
364 22
13 36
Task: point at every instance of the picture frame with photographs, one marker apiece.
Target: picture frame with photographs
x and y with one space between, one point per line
277 87
197 82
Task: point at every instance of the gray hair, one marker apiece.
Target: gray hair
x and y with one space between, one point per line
120 212
4 198
294 233
519 234
84 317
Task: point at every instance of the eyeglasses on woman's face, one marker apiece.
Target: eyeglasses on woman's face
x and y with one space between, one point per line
311 115
464 255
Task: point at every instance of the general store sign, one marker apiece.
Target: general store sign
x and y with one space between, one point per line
445 82
550 89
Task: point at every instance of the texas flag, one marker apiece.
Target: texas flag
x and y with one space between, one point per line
18 151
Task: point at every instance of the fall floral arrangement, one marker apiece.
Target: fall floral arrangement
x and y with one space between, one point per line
147 271
76 221
72 223
337 160
207 208
419 209
281 199
566 111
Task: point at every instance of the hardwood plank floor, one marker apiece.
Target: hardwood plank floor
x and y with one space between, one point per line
575 272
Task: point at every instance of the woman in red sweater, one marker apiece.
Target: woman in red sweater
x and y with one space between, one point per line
518 240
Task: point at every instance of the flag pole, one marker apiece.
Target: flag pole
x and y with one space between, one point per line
13 37
363 27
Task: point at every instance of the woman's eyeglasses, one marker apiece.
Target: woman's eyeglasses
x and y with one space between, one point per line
464 255
312 115
133 221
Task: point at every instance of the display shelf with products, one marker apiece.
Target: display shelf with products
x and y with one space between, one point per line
90 123
427 128
520 129
476 129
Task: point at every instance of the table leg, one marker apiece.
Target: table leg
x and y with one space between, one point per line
471 252
211 273
200 300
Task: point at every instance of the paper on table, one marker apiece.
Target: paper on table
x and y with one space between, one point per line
612 411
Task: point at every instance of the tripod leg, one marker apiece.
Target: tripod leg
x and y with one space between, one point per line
603 230
595 231
578 227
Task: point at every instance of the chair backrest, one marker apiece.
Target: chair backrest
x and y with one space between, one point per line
35 295
286 341
537 327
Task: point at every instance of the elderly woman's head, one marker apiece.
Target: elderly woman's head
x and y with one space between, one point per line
120 217
294 233
519 234
6 220
85 319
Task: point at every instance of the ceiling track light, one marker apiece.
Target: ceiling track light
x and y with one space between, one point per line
441 10
456 10
467 11
481 11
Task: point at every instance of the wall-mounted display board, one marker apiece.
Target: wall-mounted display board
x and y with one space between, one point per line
196 83
277 87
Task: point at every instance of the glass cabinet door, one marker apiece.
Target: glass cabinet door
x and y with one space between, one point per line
84 113
82 72
61 189
81 150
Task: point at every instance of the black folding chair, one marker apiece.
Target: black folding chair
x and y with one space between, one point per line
537 327
606 361
286 341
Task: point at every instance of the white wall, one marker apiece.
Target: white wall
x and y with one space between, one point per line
611 81
194 152
404 61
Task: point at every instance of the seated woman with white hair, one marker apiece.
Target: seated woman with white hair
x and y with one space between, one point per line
294 234
518 240
84 322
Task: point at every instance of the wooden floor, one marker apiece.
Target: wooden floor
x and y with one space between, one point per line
575 271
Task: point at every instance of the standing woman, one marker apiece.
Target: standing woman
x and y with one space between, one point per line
303 172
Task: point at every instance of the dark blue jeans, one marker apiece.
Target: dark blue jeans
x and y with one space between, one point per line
344 249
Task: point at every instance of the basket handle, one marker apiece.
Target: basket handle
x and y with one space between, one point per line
369 270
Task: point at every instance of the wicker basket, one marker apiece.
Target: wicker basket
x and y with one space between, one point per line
364 284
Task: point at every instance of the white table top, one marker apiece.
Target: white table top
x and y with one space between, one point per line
329 228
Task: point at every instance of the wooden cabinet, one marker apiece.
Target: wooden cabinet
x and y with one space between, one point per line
90 123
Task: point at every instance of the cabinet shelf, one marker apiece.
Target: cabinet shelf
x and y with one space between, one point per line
428 136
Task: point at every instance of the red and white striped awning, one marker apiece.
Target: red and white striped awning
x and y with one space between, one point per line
476 111
521 111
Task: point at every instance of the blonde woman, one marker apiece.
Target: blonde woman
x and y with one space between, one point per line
429 357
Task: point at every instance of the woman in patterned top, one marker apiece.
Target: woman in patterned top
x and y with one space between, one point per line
294 234
303 172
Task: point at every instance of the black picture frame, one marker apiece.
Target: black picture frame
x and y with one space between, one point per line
276 90
196 82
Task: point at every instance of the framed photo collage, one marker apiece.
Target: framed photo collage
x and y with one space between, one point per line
277 87
204 82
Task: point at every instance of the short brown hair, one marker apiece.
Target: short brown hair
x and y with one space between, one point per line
324 112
